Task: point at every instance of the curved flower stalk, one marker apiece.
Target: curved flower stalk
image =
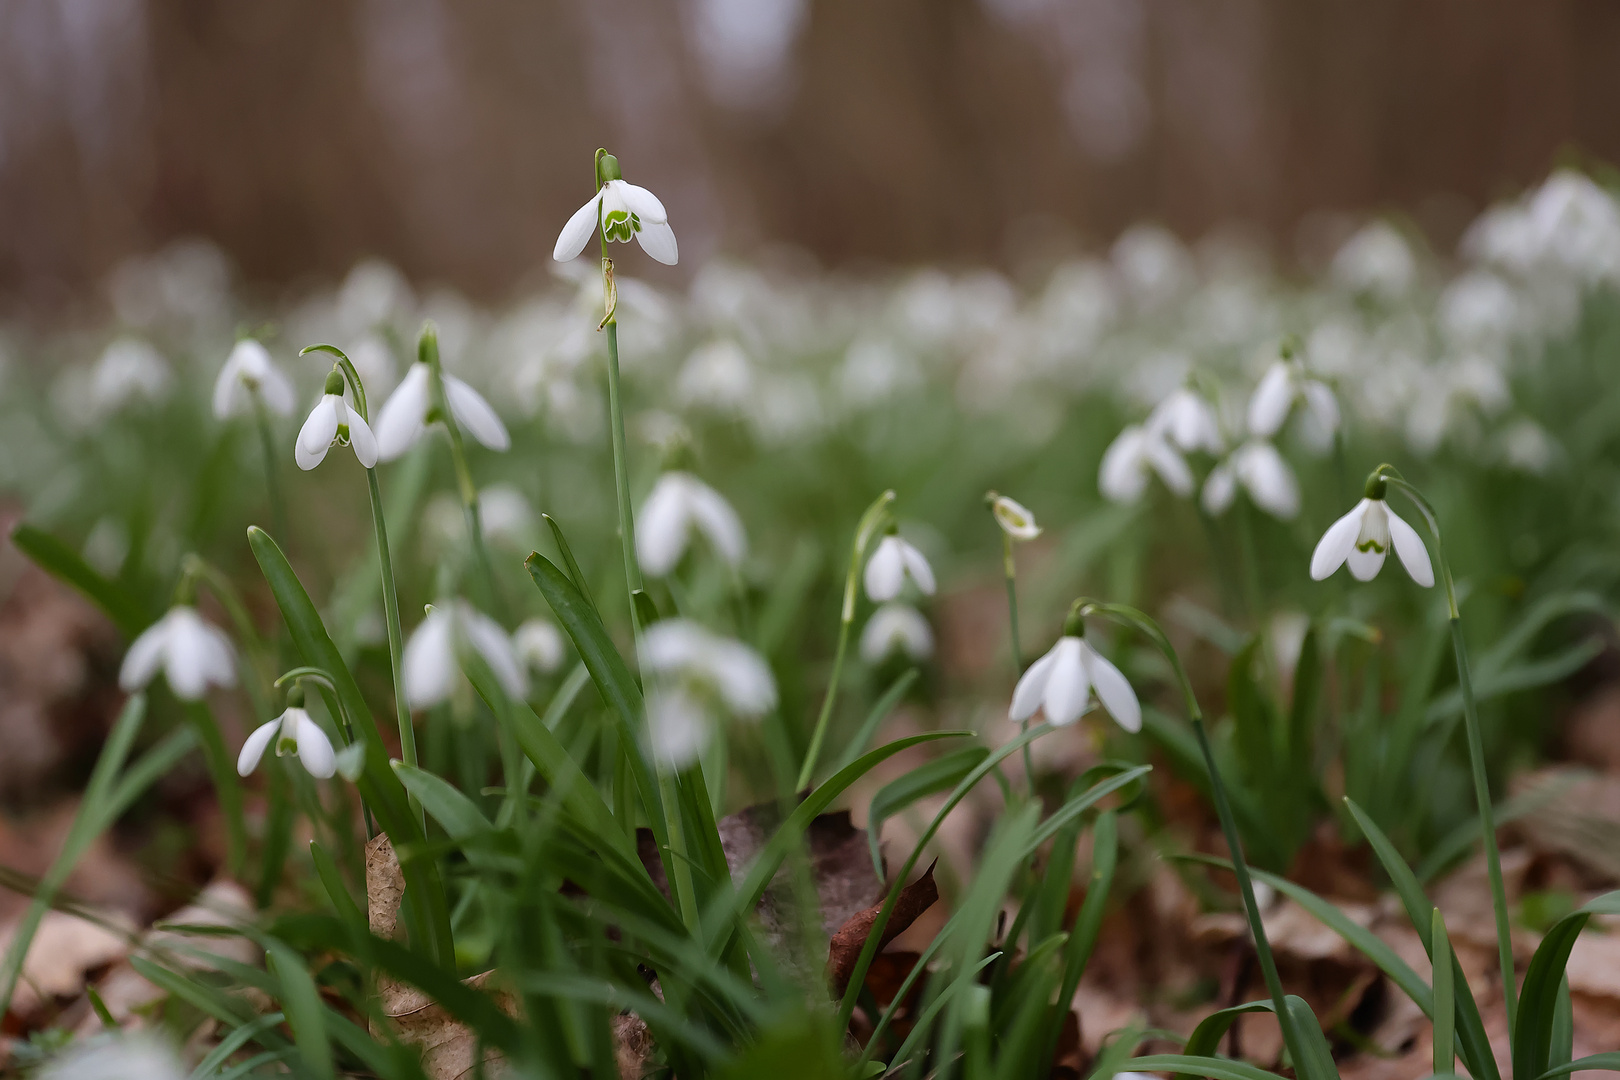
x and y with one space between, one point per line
433 654
1362 538
895 561
192 653
865 529
896 627
1061 682
679 503
1260 470
693 669
295 732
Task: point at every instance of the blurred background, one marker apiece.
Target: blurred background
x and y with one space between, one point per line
451 139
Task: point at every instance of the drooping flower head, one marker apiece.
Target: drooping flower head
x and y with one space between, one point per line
1262 472
432 657
896 627
680 502
333 423
1014 517
1285 382
408 411
1364 536
693 670
1061 682
248 373
891 564
295 732
1187 420
1137 453
623 211
191 652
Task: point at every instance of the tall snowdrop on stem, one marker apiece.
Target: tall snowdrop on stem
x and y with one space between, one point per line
1140 622
895 561
1061 682
870 522
622 211
1017 523
250 380
192 653
1363 538
396 638
296 732
332 423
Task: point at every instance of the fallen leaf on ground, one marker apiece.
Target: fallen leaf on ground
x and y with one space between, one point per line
847 943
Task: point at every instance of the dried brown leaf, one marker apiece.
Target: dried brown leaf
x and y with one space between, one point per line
850 939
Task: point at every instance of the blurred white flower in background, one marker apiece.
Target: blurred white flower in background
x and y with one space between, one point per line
1479 311
249 372
116 1056
189 280
1376 260
1187 419
874 371
539 645
403 418
678 503
1526 446
891 564
1136 453
695 670
432 657
192 653
374 362
1153 264
504 515
1262 472
373 295
896 627
1284 383
716 376
128 372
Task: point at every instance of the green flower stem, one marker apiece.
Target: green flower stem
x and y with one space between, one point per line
1009 568
1476 752
267 440
621 477
863 536
428 352
1223 810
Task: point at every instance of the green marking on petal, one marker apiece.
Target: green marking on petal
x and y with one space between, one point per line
1371 545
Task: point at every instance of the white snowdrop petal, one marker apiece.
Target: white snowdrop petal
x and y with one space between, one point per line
718 521
429 662
1171 466
1268 479
1269 406
1220 488
316 436
1409 547
673 644
661 527
1069 686
658 240
403 417
314 748
1337 543
917 568
1014 518
227 388
475 414
744 679
639 201
485 635
277 391
1113 689
885 571
362 439
677 727
580 226
896 626
218 656
1032 686
1364 565
1122 476
145 656
1322 403
254 748
540 644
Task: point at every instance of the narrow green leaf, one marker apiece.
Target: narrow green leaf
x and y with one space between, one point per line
348 911
1318 1063
302 1004
941 774
1606 1062
233 1042
1538 1001
881 708
567 554
1087 925
1445 1060
1212 1067
449 807
68 566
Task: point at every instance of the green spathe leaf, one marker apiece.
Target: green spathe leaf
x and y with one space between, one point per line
68 566
427 916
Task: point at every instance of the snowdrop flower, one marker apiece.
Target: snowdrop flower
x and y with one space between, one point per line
693 667
890 565
1376 260
1014 517
624 210
294 731
896 627
192 652
1264 475
680 501
1187 420
331 422
1129 459
506 517
539 645
432 655
128 370
405 415
1364 536
249 372
1284 383
1061 682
